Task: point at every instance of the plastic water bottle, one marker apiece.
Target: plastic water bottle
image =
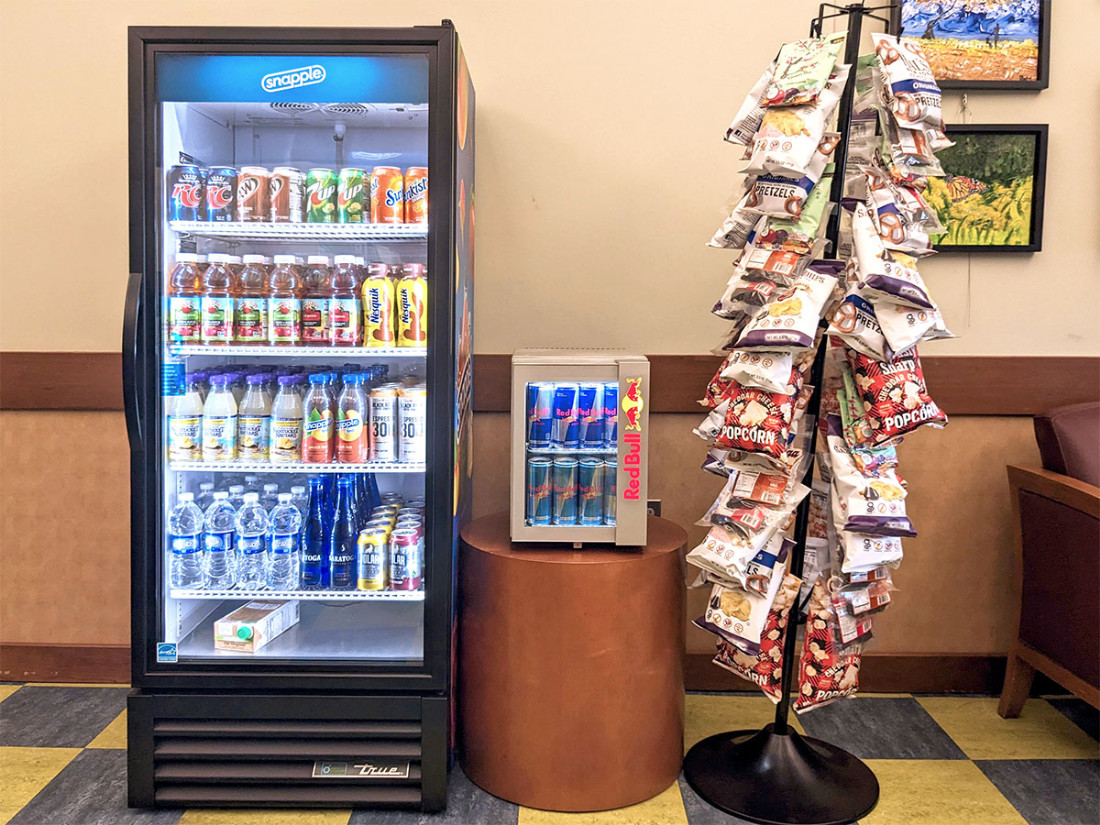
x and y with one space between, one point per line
300 499
251 526
236 495
185 543
251 484
270 497
206 495
283 565
218 538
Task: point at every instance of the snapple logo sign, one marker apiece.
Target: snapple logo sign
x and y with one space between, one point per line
292 78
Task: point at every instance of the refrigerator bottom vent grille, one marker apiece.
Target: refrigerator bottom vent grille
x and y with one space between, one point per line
282 762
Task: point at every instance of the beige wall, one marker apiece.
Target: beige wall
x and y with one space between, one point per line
601 169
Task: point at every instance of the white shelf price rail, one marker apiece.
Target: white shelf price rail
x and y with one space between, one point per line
235 351
327 232
305 595
294 467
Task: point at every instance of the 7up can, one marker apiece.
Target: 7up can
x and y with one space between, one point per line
351 194
320 196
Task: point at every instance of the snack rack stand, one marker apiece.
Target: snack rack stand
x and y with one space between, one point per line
775 775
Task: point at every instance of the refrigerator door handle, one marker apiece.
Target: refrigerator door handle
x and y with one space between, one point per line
131 337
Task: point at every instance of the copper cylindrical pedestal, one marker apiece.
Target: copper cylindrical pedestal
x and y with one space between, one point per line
570 669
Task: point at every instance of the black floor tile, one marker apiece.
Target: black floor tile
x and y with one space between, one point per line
58 717
467 804
881 729
91 790
700 812
1080 712
1049 791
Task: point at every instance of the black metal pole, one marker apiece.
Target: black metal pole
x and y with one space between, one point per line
776 776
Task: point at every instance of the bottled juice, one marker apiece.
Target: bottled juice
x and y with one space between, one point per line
317 421
184 300
284 304
286 422
185 424
352 444
254 421
218 287
315 298
250 319
219 422
345 318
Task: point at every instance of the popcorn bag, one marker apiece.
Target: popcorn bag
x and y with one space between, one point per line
825 673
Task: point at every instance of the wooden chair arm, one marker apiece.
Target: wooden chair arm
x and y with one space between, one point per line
1063 489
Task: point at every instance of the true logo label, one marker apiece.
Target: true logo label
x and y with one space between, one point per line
292 78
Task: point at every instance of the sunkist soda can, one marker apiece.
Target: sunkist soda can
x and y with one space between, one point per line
412 306
387 195
565 430
538 491
253 193
590 491
590 415
287 194
221 194
321 196
540 414
416 194
564 506
373 560
379 293
351 196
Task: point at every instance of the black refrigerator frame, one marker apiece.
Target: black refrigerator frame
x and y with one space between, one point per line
372 692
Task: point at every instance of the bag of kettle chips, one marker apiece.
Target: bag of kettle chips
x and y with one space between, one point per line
758 421
825 673
873 503
742 613
737 228
771 371
791 321
743 296
742 128
802 70
855 323
764 667
895 399
911 89
863 552
783 196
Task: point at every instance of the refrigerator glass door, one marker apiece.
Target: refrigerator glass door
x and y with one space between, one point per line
294 350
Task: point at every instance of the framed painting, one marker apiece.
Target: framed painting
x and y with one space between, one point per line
991 198
981 44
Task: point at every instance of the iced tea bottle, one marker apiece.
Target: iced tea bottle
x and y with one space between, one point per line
345 326
184 300
284 303
315 298
250 319
218 288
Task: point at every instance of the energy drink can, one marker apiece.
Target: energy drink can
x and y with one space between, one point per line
590 415
590 493
538 491
405 562
373 558
610 491
564 474
565 425
540 414
611 414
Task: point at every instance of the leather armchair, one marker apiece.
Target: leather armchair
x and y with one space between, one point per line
1057 514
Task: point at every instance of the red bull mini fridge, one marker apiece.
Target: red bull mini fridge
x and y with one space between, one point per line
580 446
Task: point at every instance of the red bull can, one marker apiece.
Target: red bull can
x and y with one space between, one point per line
564 509
590 483
540 414
566 426
610 492
538 491
590 415
611 414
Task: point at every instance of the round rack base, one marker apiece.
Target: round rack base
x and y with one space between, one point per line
780 779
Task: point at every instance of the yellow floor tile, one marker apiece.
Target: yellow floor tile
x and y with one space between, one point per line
112 736
706 715
76 684
214 816
26 771
1041 732
8 690
937 792
666 808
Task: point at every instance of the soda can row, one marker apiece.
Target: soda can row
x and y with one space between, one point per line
569 416
566 492
391 551
398 423
287 195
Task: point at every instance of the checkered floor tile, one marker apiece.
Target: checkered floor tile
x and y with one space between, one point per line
940 760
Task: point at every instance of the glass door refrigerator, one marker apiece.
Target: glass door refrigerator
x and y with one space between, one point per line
297 373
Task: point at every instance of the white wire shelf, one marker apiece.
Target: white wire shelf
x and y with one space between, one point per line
293 467
305 595
568 451
244 350
328 232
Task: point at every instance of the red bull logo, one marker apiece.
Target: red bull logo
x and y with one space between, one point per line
633 404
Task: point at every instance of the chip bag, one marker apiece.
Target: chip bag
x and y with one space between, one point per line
802 70
825 673
785 197
904 326
758 421
771 371
884 275
895 399
855 322
742 128
798 234
736 229
742 614
863 552
791 321
870 501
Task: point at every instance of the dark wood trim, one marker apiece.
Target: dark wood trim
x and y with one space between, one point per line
1047 666
962 385
64 663
887 673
